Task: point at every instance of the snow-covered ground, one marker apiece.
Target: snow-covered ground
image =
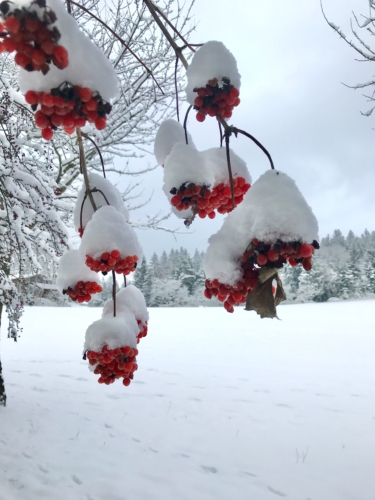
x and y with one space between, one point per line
222 407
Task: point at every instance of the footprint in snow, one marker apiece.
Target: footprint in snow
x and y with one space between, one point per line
194 399
26 455
34 375
43 469
184 455
76 479
248 473
153 451
206 468
276 492
136 440
107 426
65 376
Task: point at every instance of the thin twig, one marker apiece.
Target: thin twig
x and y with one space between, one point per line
167 35
187 44
227 135
83 167
185 121
119 39
176 89
98 150
239 131
114 293
221 134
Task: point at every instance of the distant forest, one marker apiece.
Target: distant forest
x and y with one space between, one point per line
343 268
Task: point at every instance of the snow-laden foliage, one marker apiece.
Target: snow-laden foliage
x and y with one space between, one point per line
32 224
211 61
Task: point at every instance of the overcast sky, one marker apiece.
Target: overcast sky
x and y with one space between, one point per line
292 66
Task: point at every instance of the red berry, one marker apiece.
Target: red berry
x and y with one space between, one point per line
84 93
92 105
200 117
21 59
47 133
60 57
115 254
38 57
12 24
262 259
9 45
100 123
47 100
41 120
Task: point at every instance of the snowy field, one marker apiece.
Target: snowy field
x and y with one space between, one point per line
222 407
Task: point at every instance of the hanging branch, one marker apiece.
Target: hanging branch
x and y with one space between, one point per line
83 167
236 131
94 190
161 13
119 39
98 150
185 122
239 131
167 35
176 89
221 134
124 280
114 293
227 135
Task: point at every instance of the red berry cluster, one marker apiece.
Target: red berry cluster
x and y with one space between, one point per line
232 295
67 106
277 254
112 261
207 201
32 38
112 364
215 100
83 291
143 328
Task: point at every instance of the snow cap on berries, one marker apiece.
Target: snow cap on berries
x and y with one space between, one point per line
273 209
72 269
110 191
186 165
212 60
216 160
106 231
88 65
112 331
131 299
170 133
280 210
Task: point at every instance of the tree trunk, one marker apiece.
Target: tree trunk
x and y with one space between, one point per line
3 397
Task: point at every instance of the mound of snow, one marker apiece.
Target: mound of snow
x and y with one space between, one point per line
110 191
106 231
185 165
88 66
131 299
72 268
114 332
212 60
272 209
170 133
216 160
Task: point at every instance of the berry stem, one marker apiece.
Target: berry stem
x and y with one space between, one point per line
185 122
238 131
119 39
83 167
114 293
221 134
176 89
227 136
98 150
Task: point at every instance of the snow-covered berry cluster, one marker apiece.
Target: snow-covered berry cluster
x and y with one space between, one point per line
113 261
83 291
68 106
29 31
233 295
215 100
113 364
206 200
279 253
